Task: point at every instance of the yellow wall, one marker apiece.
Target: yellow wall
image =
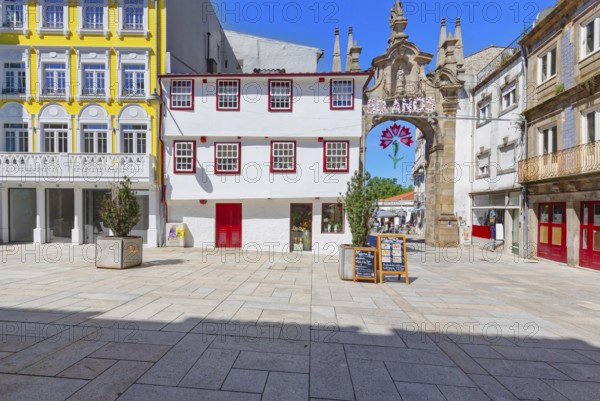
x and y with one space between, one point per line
73 41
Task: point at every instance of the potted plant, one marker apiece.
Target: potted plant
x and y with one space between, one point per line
360 202
120 211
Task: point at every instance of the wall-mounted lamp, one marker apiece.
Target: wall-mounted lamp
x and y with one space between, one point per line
320 139
203 201
203 139
205 81
155 97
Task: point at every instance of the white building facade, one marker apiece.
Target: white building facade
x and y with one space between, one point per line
419 174
499 100
260 160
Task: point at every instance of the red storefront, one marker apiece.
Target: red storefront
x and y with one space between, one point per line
589 253
552 232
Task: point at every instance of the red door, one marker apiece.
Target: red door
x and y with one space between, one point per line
552 232
589 254
229 225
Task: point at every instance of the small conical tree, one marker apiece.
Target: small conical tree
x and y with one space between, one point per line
120 210
360 202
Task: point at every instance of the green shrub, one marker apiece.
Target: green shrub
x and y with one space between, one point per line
120 210
360 202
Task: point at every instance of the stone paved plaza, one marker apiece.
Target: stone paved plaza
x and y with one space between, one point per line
200 326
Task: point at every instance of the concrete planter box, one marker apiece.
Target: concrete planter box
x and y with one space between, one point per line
118 252
346 262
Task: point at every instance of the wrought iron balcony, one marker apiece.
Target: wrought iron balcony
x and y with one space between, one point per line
75 167
583 159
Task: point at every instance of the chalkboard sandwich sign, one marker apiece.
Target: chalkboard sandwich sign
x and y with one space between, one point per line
365 264
392 255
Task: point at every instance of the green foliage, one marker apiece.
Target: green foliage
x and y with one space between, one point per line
559 88
386 187
120 210
360 202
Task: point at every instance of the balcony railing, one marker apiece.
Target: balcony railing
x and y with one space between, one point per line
75 167
583 159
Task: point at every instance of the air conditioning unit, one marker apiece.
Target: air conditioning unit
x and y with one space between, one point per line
211 65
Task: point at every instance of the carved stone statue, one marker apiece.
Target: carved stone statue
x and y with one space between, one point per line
400 81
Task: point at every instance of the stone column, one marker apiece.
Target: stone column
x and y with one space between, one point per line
573 232
77 232
39 233
153 217
4 229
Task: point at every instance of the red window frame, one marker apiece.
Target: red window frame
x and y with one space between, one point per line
175 169
323 205
191 107
239 158
239 92
331 106
291 96
329 170
293 169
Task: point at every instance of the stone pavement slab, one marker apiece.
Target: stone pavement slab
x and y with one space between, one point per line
188 326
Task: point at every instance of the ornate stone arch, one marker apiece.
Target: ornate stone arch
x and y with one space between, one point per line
400 74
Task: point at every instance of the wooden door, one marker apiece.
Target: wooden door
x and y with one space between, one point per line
589 254
552 232
229 225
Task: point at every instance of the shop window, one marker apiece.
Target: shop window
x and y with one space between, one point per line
332 218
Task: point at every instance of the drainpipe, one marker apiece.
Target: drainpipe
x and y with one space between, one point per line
525 147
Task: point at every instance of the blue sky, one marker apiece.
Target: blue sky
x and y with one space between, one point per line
312 23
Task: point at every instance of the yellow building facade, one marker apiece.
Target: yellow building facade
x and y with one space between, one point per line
79 111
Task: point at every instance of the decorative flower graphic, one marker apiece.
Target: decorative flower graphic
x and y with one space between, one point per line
395 135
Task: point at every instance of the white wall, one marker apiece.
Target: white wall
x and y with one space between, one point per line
490 136
311 115
266 224
264 53
255 180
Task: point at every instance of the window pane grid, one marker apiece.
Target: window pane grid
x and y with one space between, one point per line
181 94
56 138
134 15
284 156
135 79
13 14
94 79
227 158
16 138
228 95
134 138
336 156
55 75
15 78
93 14
342 93
54 14
281 95
95 138
184 156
